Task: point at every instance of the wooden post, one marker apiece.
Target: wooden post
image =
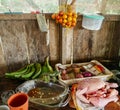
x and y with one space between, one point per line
67 45
67 38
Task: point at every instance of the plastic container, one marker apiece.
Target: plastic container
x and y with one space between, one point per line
105 77
92 22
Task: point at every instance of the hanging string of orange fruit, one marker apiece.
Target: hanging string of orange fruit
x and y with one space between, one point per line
67 18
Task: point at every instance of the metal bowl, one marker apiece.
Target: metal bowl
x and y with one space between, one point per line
49 94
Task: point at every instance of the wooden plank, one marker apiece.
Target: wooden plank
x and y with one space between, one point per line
55 46
101 44
115 40
105 42
82 43
67 40
112 17
3 67
23 43
48 16
106 17
21 16
67 45
14 43
32 33
17 16
36 42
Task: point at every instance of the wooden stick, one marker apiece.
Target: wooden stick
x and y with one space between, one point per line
73 2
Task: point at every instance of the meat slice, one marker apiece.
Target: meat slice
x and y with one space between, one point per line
101 102
112 85
93 84
80 96
94 92
112 92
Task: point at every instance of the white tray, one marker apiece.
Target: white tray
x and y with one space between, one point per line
108 74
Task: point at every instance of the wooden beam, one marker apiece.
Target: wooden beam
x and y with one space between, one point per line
48 16
67 39
21 16
67 45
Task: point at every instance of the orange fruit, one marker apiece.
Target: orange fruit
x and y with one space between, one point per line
60 20
74 15
69 13
61 13
68 24
57 17
74 20
64 16
69 19
73 24
64 20
53 16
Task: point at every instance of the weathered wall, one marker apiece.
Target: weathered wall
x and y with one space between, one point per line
102 44
21 41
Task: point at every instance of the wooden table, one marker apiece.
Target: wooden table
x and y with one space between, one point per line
11 84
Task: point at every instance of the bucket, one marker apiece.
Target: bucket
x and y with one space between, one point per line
92 21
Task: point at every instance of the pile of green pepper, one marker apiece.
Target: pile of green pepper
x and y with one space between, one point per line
34 70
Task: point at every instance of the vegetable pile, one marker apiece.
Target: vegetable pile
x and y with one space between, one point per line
33 71
77 71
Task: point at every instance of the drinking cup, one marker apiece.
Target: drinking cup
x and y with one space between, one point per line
18 101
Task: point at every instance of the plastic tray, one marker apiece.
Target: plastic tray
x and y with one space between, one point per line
106 76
